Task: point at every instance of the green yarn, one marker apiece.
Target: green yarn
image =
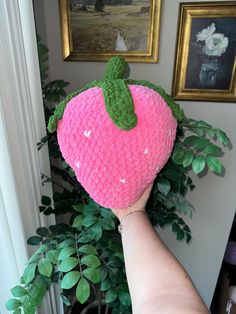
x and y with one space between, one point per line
116 68
59 110
119 103
118 100
176 110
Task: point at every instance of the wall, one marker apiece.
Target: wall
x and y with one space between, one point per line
214 198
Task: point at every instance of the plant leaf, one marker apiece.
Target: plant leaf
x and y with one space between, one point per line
198 164
65 300
18 291
78 207
163 186
29 273
70 279
13 304
66 252
175 227
83 290
180 234
188 237
107 223
66 243
115 262
187 159
212 149
52 256
89 221
106 284
92 274
214 164
34 240
68 264
45 267
111 295
177 154
222 137
78 221
90 260
96 231
107 213
45 200
88 249
191 140
85 238
43 232
124 298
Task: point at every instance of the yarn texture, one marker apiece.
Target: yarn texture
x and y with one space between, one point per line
117 135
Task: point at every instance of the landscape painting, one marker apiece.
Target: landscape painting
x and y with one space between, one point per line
98 29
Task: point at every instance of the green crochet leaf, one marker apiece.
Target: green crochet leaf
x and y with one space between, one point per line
177 112
119 104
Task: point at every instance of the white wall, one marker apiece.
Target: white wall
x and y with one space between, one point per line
214 197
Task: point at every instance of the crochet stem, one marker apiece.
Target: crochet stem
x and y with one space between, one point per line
116 68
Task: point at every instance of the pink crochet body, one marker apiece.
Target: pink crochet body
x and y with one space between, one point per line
113 165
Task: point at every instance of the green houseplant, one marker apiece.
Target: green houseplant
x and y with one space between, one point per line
85 255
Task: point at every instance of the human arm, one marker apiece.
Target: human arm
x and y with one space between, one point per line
157 281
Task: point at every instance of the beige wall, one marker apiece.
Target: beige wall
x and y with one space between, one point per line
214 197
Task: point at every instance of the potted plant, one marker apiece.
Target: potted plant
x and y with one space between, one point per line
84 256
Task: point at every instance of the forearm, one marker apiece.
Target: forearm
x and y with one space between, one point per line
157 282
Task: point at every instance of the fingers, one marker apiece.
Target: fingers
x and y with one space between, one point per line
140 204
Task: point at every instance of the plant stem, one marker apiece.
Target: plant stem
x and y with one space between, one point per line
77 253
98 297
111 271
99 301
106 309
91 306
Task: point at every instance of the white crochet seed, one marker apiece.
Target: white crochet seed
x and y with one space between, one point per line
87 133
146 151
170 133
122 181
77 164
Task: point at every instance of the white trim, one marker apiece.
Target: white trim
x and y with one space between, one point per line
22 123
12 237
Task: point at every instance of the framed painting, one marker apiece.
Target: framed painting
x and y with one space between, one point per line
205 64
95 30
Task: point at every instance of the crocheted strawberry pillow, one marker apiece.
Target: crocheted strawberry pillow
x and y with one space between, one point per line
116 134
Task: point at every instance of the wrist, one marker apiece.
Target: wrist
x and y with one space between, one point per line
122 213
128 216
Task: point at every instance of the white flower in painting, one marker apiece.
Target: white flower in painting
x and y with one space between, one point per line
216 45
206 32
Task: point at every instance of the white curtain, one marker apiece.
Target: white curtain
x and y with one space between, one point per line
21 126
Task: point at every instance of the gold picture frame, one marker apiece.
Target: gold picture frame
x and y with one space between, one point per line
205 62
91 32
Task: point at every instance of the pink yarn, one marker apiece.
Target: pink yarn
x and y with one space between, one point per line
115 166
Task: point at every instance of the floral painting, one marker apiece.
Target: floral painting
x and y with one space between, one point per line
205 63
212 51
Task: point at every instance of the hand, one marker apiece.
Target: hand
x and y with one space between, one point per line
137 206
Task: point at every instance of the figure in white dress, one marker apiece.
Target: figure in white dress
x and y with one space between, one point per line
121 45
